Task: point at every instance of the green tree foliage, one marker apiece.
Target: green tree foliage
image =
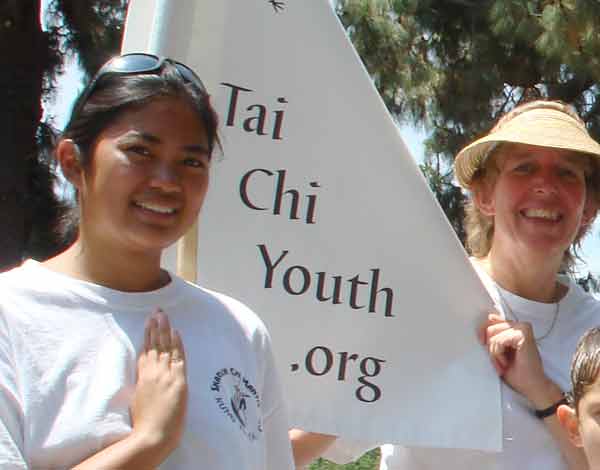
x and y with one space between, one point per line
455 66
439 177
32 58
369 461
91 30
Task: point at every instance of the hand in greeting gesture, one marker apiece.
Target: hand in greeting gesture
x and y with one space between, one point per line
160 401
158 406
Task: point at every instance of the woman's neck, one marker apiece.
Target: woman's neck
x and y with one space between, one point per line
533 279
128 272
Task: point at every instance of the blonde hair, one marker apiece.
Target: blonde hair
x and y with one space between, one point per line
480 227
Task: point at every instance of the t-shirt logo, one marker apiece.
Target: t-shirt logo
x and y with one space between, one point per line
239 400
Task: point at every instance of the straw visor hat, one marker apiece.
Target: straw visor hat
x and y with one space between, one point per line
542 123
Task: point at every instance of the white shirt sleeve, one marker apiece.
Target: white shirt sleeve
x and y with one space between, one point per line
279 450
275 421
11 414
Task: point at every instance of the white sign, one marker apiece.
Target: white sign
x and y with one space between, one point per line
319 219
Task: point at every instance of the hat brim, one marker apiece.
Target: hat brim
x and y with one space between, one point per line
542 127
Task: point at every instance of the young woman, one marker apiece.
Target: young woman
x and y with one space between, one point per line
535 186
92 374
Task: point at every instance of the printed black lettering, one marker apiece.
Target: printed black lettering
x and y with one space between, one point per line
269 265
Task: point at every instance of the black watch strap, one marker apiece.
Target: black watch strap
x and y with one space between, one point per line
541 414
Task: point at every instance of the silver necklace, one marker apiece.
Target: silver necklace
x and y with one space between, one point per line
506 306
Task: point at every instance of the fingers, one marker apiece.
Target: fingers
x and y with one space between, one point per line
503 339
161 340
177 351
503 346
507 339
164 331
151 334
157 332
496 329
493 318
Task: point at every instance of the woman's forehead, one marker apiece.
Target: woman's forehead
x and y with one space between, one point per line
511 151
161 116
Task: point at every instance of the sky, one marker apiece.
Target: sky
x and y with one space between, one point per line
71 83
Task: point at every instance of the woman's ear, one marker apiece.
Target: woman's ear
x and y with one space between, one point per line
483 197
68 156
570 423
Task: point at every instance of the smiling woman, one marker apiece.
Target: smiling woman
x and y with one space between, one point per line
93 374
510 173
147 180
535 188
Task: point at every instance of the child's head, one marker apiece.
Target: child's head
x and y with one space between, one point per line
581 418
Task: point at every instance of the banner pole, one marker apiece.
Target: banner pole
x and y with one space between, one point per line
187 254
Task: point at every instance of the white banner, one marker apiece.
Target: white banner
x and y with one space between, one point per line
319 219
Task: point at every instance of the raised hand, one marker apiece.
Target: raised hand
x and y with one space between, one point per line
515 355
160 401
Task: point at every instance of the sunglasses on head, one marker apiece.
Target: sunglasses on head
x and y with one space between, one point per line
137 63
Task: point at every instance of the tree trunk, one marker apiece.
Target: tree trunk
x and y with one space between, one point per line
23 58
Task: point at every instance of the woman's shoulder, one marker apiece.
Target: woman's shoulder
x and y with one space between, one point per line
578 300
575 288
26 293
223 307
24 278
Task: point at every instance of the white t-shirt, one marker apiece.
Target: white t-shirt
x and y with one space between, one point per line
68 352
527 444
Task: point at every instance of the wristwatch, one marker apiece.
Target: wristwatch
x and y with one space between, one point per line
541 414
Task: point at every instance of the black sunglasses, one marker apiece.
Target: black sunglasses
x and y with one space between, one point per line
137 63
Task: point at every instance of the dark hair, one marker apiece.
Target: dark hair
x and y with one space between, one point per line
42 207
585 366
114 94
